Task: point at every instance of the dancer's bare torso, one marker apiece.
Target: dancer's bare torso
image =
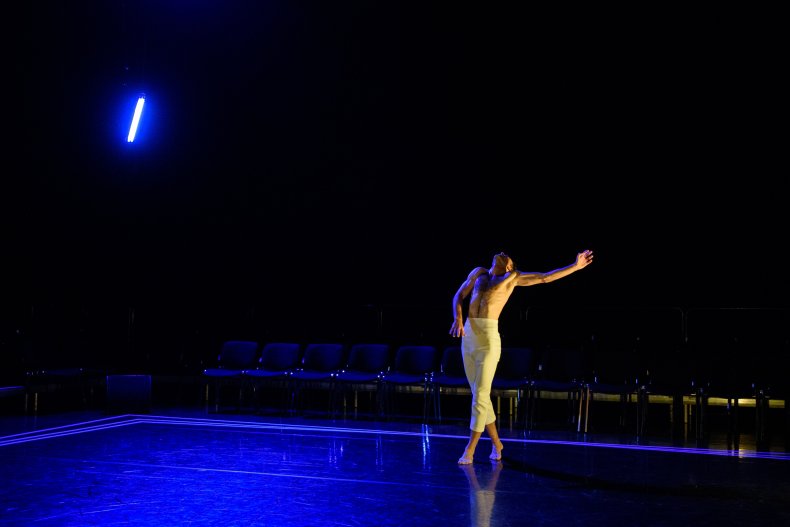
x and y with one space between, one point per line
491 293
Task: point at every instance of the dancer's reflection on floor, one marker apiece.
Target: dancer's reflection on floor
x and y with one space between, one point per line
481 498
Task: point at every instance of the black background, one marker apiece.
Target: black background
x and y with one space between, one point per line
369 152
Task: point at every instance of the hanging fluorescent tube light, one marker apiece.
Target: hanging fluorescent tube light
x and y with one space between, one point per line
136 119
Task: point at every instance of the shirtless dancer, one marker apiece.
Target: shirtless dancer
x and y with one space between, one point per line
481 344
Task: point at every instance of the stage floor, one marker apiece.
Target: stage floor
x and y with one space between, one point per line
191 467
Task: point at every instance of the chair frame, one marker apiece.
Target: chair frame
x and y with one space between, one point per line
230 370
406 374
275 369
450 378
367 364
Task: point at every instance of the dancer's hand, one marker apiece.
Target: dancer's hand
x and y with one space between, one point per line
584 259
457 329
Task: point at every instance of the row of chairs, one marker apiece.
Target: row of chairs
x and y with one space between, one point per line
525 376
377 368
290 365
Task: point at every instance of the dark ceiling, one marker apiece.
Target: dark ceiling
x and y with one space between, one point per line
376 152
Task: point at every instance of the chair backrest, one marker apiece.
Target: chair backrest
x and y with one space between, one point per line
562 362
452 361
714 356
667 366
369 357
516 363
280 356
615 360
416 359
238 354
324 357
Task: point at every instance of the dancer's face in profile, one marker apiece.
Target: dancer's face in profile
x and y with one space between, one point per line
503 263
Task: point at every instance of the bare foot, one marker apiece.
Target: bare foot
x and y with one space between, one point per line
496 451
467 458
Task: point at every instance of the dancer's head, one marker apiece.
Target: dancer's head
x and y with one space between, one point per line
502 263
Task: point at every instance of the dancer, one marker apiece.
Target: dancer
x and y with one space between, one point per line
481 345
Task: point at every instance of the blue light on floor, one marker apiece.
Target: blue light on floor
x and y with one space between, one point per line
131 419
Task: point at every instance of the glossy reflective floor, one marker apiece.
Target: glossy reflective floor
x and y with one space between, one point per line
189 466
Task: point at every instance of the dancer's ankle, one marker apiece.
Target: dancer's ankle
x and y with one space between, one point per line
496 450
467 457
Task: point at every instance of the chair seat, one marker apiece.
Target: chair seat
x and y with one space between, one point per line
222 372
64 372
555 386
729 390
404 378
8 391
305 375
611 388
669 388
357 377
509 384
449 381
266 374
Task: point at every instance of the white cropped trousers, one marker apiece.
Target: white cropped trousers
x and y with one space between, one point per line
481 347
